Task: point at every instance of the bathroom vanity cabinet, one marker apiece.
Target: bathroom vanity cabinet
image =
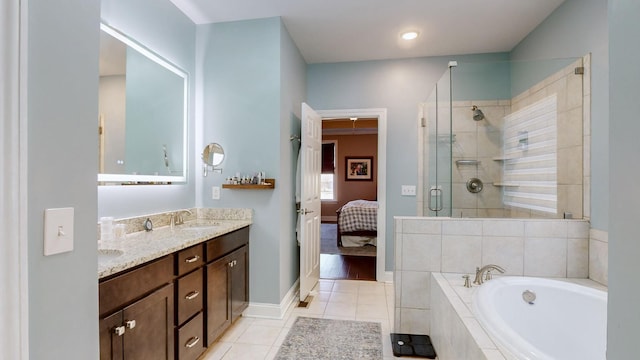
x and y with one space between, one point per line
175 306
227 281
136 313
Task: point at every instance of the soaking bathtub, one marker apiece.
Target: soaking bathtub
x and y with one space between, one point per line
536 318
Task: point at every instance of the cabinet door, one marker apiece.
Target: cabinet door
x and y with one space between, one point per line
110 339
218 310
239 282
149 327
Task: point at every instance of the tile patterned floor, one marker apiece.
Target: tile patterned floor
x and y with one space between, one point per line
253 338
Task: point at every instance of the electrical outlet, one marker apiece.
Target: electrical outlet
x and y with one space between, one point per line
408 190
215 192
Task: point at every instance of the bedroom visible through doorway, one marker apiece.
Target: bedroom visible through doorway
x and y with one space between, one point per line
349 198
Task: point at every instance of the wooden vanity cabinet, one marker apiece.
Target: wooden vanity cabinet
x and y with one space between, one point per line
227 281
137 313
176 306
190 303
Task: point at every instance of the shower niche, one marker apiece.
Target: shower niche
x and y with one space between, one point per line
518 128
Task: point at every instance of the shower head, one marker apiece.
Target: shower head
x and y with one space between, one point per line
477 113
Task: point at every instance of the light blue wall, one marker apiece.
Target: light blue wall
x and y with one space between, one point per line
62 108
482 80
293 92
399 86
249 95
575 28
161 27
624 247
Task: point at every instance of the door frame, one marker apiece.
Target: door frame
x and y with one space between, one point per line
14 183
381 113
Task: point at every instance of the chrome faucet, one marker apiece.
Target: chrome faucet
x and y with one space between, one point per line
176 218
486 269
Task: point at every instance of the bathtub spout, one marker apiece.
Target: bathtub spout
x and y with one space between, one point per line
485 269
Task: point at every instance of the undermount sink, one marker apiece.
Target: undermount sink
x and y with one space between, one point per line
109 254
199 226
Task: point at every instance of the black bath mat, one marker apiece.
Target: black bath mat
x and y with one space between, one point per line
412 345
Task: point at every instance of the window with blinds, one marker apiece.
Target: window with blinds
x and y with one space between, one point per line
530 151
327 178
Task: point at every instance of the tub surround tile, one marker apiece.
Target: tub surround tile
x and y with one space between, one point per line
416 226
421 252
546 228
599 256
462 227
507 252
414 321
461 253
530 247
415 290
578 258
546 257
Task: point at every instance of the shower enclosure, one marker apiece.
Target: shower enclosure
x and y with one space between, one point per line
506 139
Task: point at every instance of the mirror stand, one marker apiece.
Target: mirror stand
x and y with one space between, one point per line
212 157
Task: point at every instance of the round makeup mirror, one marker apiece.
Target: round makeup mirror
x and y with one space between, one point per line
212 156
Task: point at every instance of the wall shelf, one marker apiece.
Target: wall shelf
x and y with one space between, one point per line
467 162
268 184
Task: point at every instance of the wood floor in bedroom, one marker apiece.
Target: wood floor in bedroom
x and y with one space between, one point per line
347 267
336 265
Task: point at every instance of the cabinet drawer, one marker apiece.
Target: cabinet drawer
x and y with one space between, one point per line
190 339
189 259
123 289
190 295
226 243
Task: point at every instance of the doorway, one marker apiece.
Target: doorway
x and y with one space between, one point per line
349 262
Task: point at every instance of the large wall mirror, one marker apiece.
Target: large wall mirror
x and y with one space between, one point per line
142 114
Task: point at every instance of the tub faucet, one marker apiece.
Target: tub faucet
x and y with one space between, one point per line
485 269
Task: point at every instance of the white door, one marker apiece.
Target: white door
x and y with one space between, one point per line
311 152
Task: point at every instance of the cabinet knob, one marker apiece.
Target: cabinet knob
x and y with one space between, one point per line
230 264
130 324
192 295
119 330
192 342
194 258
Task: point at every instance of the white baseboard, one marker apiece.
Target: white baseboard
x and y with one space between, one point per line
274 311
329 218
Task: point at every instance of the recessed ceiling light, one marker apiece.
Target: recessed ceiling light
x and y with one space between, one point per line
410 35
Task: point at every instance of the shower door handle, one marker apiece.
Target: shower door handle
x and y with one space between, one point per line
434 191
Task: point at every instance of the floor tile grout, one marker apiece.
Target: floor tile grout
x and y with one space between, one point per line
274 331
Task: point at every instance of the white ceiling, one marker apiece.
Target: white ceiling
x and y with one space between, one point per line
356 30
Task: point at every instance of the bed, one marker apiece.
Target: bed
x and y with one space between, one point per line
357 223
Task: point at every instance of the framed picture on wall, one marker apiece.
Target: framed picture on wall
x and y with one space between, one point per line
359 168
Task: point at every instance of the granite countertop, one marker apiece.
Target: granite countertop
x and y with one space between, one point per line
141 247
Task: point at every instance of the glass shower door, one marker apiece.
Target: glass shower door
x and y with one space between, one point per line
439 156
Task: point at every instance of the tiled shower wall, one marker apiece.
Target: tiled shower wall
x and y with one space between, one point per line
568 87
482 140
530 247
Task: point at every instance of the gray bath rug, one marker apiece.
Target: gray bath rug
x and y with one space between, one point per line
325 339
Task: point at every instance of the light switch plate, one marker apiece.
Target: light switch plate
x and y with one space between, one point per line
408 190
58 231
215 192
